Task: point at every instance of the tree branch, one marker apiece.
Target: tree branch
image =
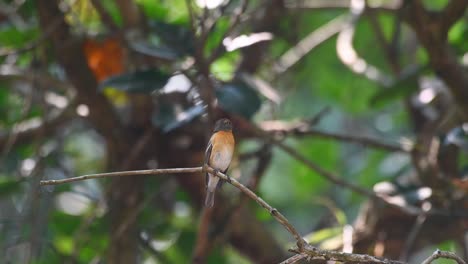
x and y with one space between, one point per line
388 6
316 253
28 130
277 215
302 246
122 174
431 30
69 52
314 39
453 11
443 254
295 258
302 129
347 53
328 175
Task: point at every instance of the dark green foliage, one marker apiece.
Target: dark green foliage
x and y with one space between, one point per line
238 98
143 81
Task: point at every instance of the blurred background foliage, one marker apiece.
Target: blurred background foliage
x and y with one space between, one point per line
152 65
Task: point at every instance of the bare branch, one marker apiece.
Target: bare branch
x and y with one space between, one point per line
389 48
275 213
70 56
443 254
432 34
295 258
315 38
364 141
453 11
388 6
316 253
25 131
235 20
131 14
328 175
205 240
407 208
347 53
301 129
415 230
302 246
122 174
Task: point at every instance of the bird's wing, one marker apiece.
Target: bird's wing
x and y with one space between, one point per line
207 157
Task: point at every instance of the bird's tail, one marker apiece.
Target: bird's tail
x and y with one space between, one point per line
210 190
209 200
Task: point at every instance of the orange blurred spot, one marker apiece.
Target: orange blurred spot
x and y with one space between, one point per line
105 58
461 184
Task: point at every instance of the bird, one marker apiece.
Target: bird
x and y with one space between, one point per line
218 155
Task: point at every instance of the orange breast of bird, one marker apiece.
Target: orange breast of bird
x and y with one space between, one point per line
223 148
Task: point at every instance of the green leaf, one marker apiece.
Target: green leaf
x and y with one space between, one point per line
111 7
15 38
168 120
144 81
323 234
238 98
404 87
172 11
224 67
64 244
184 118
9 185
177 37
435 5
157 51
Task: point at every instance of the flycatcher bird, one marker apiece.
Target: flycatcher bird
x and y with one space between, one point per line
218 155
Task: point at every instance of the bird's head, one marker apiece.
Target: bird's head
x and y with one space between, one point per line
223 124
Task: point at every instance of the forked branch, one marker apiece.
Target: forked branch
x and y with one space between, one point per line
303 248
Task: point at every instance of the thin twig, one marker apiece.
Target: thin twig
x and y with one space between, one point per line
145 240
314 39
307 5
328 175
407 208
123 173
205 84
13 135
205 239
415 230
386 47
138 148
443 254
221 230
295 258
302 129
235 20
302 246
347 53
132 215
275 213
362 140
342 256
